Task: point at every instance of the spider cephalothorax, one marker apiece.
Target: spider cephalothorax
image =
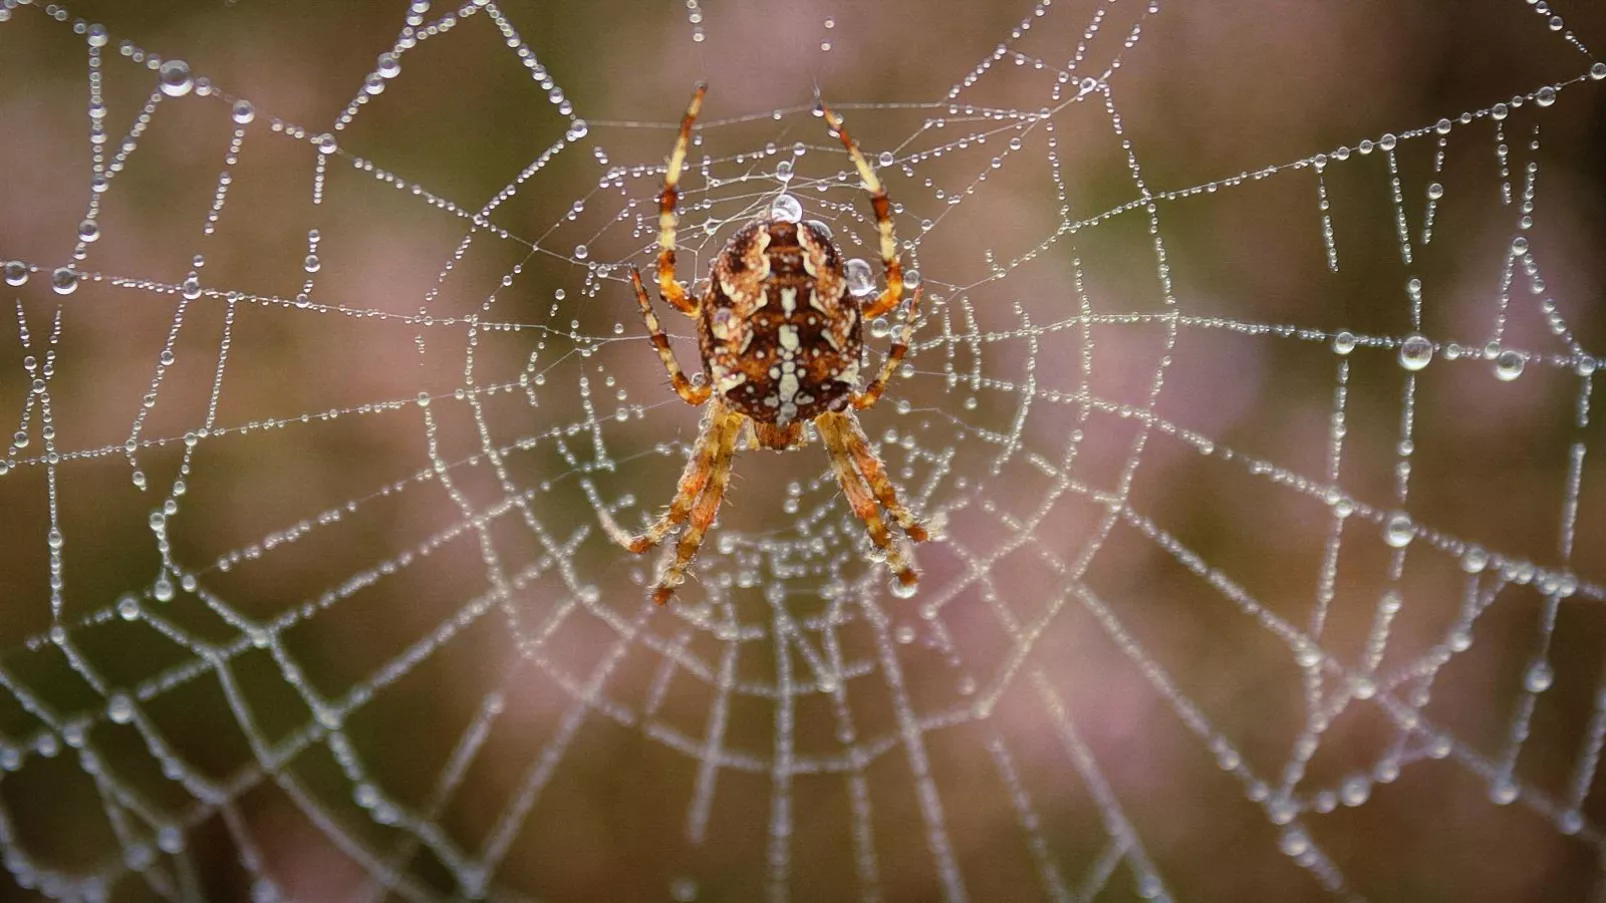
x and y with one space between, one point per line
781 340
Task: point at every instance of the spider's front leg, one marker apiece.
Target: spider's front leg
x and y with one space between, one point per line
668 286
883 218
691 394
694 478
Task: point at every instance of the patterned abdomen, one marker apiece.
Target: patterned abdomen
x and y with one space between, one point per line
781 338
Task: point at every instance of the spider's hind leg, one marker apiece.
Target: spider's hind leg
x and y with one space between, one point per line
835 432
723 428
693 479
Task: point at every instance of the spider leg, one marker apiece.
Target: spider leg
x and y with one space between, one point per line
900 347
691 394
875 473
693 479
832 432
889 298
668 287
725 427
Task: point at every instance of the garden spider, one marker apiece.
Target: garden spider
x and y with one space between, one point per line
781 340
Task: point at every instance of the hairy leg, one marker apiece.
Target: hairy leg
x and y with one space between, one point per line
683 387
692 481
859 497
900 347
724 429
883 217
875 474
671 289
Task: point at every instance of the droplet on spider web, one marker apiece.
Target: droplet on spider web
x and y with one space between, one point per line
64 280
783 172
16 272
859 281
1416 351
1508 365
243 112
174 76
786 209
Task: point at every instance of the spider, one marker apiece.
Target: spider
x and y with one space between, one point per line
781 341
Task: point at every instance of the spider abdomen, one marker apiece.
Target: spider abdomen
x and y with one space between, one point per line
780 336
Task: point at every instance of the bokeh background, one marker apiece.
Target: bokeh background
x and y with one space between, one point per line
305 595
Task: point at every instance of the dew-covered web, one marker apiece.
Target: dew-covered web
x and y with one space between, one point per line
1250 405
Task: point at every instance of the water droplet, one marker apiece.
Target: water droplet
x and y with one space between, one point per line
902 590
1398 530
1294 842
88 230
577 129
786 209
174 77
97 35
1435 190
783 171
581 252
191 289
1443 126
1344 342
1499 111
1597 71
326 143
389 66
1545 96
120 709
822 228
859 281
128 608
1539 677
16 272
311 264
54 538
243 112
1416 351
63 280
1503 791
1355 790
911 278
1508 365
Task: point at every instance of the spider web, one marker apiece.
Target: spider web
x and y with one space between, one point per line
1250 405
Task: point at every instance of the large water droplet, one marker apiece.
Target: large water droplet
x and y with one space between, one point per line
1416 351
88 230
859 280
577 130
1545 96
389 66
1398 530
16 272
786 209
243 112
97 35
174 78
63 280
1508 365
